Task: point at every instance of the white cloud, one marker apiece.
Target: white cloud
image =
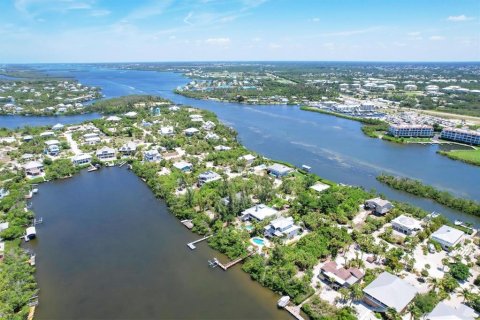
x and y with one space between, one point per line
218 41
100 13
459 18
437 38
315 19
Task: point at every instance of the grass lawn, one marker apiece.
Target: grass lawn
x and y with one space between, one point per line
469 156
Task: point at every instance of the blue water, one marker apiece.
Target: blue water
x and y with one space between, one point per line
13 122
335 148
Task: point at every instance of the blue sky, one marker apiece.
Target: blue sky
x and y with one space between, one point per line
185 30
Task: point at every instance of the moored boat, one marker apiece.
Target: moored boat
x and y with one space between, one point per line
283 301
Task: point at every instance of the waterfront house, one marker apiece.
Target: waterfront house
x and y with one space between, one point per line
443 311
105 153
81 159
448 237
128 148
248 158
58 126
47 134
152 156
389 291
319 187
282 227
183 166
33 168
378 205
211 136
406 225
258 212
279 170
166 131
339 277
207 177
190 131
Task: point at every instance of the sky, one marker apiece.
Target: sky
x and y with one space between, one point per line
34 31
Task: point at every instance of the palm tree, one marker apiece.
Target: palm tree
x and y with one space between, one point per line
392 314
433 283
356 292
465 294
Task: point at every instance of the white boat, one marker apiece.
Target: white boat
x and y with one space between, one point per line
32 260
283 301
458 222
30 233
92 169
35 190
434 214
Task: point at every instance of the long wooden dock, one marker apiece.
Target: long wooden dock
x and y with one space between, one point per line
191 245
231 263
31 313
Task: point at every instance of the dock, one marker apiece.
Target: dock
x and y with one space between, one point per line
231 263
121 164
294 311
31 313
191 245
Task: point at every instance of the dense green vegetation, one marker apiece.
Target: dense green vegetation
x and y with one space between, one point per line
467 156
318 309
419 189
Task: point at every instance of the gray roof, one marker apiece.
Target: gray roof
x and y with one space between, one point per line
447 234
445 312
391 291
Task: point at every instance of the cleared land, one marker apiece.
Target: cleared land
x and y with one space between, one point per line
468 156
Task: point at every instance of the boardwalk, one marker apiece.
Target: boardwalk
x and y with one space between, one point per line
191 245
294 311
231 263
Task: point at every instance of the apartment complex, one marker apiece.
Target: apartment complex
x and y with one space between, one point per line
410 130
461 135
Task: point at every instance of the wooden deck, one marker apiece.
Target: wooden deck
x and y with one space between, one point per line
294 311
231 263
191 245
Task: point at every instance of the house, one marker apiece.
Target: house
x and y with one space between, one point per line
190 131
33 168
3 193
47 134
81 159
448 237
339 277
248 158
222 148
58 126
379 205
209 125
282 227
27 138
4 226
183 166
319 187
207 177
211 136
389 291
166 131
279 170
406 225
53 150
131 114
128 148
258 212
105 153
152 156
445 312
113 119
196 118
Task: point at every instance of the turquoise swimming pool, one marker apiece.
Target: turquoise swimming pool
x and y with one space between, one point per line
249 228
259 241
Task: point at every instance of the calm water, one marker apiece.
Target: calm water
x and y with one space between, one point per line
109 250
13 122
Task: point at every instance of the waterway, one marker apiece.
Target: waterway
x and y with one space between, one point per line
108 249
335 148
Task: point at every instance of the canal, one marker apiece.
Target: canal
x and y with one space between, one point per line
108 249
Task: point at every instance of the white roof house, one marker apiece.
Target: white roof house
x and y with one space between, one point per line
279 170
209 125
81 159
380 205
248 158
222 148
165 131
113 119
47 134
152 156
128 148
190 131
211 136
280 227
445 312
258 212
319 187
131 114
58 126
183 166
389 291
447 236
105 153
405 224
208 176
3 226
52 142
